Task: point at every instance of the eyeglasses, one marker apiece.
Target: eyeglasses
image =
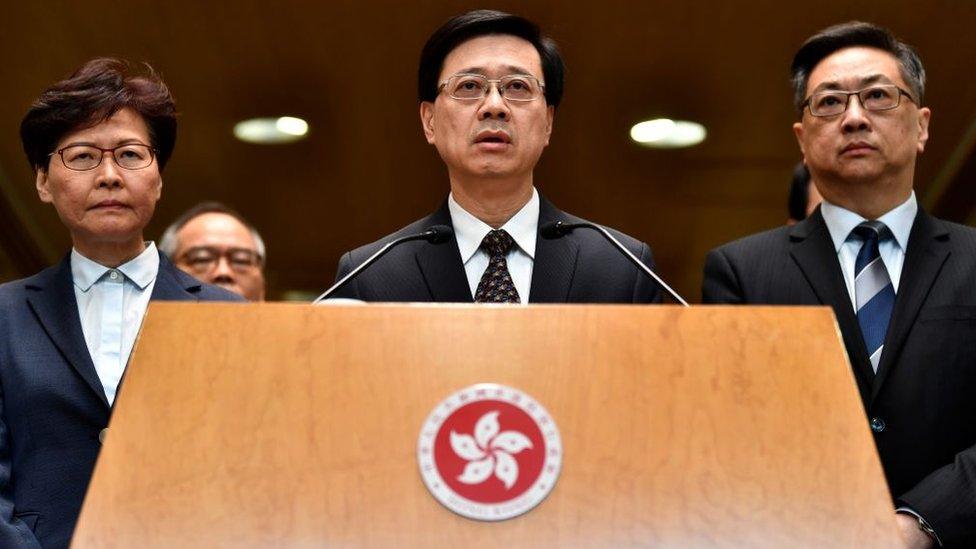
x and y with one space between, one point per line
875 98
514 87
80 158
204 259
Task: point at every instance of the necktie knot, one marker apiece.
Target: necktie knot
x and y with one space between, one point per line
497 243
872 230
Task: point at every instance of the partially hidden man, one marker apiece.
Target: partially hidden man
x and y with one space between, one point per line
901 282
214 243
98 143
489 85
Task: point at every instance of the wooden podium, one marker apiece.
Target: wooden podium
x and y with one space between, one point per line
281 425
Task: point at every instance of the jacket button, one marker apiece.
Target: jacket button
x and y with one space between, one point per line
101 435
877 424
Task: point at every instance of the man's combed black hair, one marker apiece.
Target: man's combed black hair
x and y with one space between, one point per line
480 23
854 34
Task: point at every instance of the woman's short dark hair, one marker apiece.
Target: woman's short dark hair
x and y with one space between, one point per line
473 24
91 95
853 34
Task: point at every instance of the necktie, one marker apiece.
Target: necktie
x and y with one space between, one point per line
873 291
496 284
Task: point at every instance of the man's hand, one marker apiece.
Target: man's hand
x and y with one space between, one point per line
914 537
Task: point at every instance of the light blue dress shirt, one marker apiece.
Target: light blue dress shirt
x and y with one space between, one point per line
841 222
111 304
523 227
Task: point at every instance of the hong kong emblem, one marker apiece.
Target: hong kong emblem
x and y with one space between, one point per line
489 452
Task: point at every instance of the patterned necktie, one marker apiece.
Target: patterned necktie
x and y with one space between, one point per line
496 284
873 291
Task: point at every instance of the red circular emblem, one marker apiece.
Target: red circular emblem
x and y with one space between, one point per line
489 452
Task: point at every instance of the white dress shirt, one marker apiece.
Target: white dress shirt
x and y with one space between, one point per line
523 228
841 222
111 304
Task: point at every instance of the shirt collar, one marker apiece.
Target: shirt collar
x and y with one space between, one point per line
141 270
470 231
840 221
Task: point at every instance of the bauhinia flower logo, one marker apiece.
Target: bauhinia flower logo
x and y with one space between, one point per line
489 452
480 469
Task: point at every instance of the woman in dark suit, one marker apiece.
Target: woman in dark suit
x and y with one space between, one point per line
98 142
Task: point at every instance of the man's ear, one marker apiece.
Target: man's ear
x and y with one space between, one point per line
427 120
43 186
924 115
550 115
798 132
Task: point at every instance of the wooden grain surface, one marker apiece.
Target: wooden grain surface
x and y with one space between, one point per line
281 425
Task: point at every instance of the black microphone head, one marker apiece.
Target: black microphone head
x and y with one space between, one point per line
438 234
554 229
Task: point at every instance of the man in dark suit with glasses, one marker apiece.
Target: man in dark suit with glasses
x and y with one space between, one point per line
489 85
900 281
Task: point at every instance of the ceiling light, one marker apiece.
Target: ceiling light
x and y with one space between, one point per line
267 131
664 133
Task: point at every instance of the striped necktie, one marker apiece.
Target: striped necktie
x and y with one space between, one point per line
873 291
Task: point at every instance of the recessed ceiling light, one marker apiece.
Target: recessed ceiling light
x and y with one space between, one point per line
268 131
664 133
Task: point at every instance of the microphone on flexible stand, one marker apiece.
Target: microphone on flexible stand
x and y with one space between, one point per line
559 229
435 234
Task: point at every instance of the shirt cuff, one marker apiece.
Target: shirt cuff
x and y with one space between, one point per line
923 524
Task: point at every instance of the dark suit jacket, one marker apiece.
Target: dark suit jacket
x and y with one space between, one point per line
52 403
925 388
581 267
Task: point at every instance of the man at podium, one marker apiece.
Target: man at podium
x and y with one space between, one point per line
899 280
489 85
98 142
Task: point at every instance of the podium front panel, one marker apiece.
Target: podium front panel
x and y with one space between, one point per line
280 425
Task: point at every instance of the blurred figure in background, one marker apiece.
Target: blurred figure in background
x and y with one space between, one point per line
804 196
98 143
217 245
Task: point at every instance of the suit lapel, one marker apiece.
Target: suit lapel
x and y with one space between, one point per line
441 266
814 253
53 301
552 272
173 284
555 260
927 253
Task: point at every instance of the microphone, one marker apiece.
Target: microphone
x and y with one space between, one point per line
559 229
435 234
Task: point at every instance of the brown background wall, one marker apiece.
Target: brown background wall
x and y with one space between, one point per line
349 69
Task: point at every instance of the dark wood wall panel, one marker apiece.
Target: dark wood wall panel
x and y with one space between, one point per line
349 68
